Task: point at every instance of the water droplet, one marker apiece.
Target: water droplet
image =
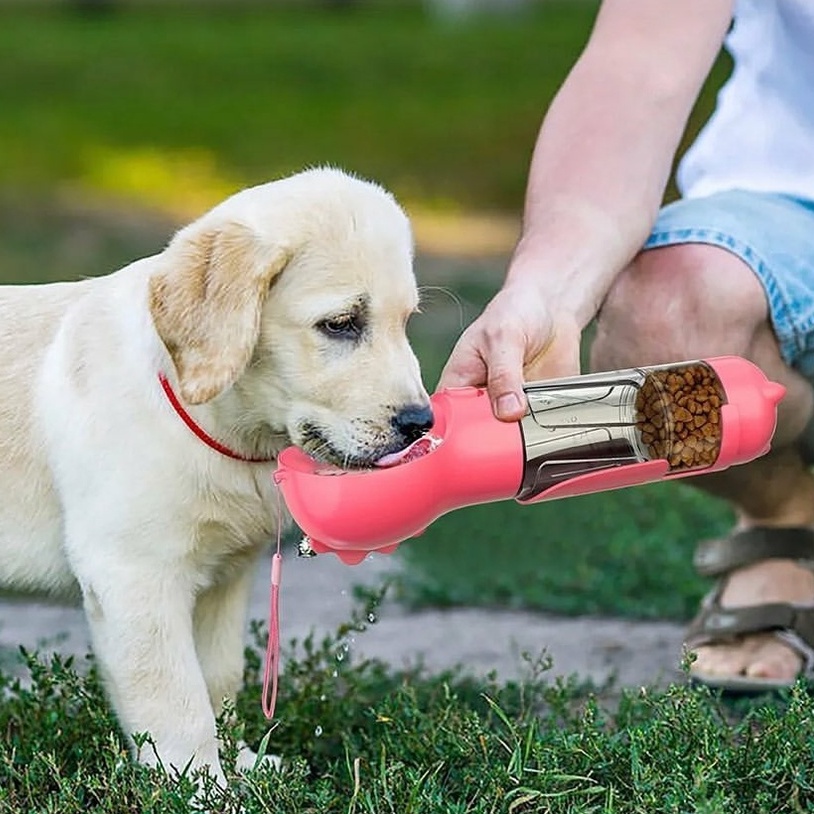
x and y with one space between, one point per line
324 697
318 731
371 617
334 674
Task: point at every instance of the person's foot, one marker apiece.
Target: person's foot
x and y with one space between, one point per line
760 655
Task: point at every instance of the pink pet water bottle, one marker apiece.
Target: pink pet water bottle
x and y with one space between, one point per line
579 435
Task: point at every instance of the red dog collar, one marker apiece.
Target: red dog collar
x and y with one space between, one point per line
199 431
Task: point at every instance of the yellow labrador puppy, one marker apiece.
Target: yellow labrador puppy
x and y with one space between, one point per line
141 413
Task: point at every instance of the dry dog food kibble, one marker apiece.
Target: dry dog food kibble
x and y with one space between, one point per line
678 413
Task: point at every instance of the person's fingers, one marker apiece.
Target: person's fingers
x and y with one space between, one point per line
458 374
555 362
464 368
515 340
558 358
491 359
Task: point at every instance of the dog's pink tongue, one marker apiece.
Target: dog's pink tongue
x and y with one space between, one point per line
418 449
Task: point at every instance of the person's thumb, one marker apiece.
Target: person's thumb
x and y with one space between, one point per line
505 384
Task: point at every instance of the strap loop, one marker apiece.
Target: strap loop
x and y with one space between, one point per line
717 557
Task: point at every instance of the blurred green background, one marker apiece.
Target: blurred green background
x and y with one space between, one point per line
121 120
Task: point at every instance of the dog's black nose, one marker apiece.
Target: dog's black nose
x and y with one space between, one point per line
413 421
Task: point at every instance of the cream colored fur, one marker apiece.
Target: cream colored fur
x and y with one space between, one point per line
104 490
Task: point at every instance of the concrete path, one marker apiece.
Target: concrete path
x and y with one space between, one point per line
317 595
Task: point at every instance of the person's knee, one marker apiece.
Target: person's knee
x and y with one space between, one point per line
680 302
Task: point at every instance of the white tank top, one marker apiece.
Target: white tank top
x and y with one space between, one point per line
761 135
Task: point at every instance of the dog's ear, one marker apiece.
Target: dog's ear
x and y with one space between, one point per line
207 301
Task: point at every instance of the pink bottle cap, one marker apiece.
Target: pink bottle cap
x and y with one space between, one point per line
749 416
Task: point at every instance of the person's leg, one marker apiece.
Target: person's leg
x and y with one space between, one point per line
694 300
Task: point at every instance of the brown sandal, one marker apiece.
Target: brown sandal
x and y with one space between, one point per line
793 624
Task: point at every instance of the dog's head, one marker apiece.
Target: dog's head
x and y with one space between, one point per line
294 298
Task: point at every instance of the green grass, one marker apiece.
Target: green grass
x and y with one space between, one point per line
625 553
360 738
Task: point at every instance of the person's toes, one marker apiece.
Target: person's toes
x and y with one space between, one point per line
718 660
775 661
759 656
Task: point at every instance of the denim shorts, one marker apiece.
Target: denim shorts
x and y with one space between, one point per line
774 235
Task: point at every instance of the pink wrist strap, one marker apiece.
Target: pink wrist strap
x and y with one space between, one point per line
272 666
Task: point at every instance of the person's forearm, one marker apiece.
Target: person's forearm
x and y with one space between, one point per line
603 158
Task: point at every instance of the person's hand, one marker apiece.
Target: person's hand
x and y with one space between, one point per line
517 338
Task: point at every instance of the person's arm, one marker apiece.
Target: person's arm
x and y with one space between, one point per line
605 149
598 173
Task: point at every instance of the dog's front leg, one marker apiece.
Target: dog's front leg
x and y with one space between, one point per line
220 626
141 621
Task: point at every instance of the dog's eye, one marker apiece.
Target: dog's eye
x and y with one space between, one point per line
346 326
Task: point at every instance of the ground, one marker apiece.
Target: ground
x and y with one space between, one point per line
318 594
